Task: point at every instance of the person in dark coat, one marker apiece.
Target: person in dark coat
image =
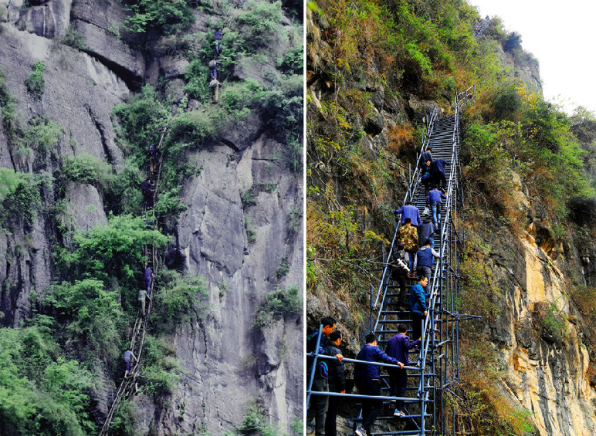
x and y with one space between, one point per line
437 172
127 356
426 231
318 403
397 347
152 155
435 200
337 381
425 157
409 211
423 261
367 381
399 272
148 276
148 188
218 37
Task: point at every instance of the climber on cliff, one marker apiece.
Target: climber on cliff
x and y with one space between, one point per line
213 64
218 37
423 261
426 231
418 307
148 188
399 272
407 235
437 172
148 276
152 155
397 347
336 380
318 403
409 211
435 200
127 356
367 381
214 86
425 157
142 296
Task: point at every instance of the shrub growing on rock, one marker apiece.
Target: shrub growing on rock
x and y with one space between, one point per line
35 83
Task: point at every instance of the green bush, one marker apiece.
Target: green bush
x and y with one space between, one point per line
197 80
160 367
251 233
74 39
276 304
87 169
112 252
180 299
283 269
20 195
260 23
42 135
41 393
35 82
8 104
162 16
142 118
93 313
552 321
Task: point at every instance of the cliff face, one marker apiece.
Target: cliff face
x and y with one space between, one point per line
368 96
92 64
546 372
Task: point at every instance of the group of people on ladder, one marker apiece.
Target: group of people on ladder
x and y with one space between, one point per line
148 189
413 258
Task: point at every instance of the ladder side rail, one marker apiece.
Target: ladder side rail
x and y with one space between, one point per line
410 193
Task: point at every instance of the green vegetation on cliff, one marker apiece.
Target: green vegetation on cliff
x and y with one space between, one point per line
374 71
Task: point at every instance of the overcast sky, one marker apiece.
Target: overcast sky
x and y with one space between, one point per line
561 35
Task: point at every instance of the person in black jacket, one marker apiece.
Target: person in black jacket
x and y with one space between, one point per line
337 381
318 403
368 381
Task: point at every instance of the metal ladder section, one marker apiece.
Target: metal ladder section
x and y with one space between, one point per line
438 356
137 340
481 28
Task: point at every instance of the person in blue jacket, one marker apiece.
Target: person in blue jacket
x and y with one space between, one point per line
368 381
434 200
318 403
409 211
423 261
127 356
418 305
397 347
437 172
148 276
218 38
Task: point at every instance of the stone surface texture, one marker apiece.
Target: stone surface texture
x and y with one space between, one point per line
226 362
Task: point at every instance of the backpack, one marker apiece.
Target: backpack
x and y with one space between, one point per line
399 261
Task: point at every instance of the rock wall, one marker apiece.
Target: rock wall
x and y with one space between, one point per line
547 375
225 361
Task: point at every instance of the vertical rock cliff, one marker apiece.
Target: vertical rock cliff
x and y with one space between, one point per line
375 71
226 361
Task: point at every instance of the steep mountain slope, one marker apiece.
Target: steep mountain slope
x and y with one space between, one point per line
375 70
85 87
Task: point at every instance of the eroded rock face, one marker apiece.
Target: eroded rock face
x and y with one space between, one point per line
547 375
225 360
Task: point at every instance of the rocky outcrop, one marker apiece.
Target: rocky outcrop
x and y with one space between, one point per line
225 361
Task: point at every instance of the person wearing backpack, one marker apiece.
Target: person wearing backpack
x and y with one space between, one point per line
399 273
408 236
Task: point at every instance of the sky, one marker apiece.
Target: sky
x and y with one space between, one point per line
561 35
